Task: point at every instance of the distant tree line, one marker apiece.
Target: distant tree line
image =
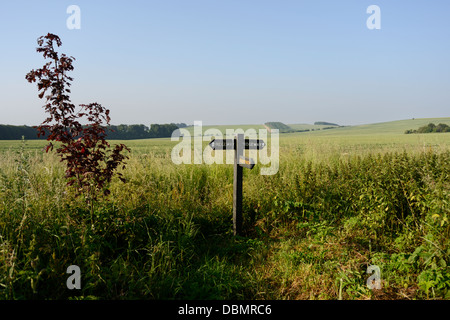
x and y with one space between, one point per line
431 127
283 128
323 123
9 132
114 132
279 125
140 131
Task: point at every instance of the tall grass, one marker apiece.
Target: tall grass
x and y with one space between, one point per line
310 231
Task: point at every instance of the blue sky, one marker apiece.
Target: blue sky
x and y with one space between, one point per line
235 62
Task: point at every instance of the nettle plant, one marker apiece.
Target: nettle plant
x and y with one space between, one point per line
90 161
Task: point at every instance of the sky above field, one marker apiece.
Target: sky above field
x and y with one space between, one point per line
235 61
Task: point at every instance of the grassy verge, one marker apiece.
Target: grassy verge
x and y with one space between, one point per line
311 231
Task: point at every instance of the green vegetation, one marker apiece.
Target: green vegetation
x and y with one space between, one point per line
323 123
9 132
278 125
283 128
140 131
195 131
304 127
431 127
339 203
117 132
382 128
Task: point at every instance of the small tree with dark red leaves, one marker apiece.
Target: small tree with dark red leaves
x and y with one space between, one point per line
90 161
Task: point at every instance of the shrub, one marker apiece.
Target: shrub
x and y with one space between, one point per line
90 166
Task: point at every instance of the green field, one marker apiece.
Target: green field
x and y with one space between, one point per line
223 128
305 126
384 128
342 200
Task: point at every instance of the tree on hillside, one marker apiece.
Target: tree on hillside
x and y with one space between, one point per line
431 127
323 123
442 127
427 129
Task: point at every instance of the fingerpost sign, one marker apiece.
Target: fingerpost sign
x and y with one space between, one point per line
239 144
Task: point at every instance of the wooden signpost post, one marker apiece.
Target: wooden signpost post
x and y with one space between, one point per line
238 145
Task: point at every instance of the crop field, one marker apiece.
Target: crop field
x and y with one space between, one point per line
342 200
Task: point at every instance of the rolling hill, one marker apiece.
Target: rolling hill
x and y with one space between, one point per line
391 127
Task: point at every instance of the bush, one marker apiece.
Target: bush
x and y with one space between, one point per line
441 127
